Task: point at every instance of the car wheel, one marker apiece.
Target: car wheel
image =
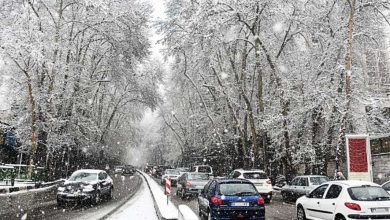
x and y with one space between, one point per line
285 197
339 217
301 213
96 198
110 194
60 204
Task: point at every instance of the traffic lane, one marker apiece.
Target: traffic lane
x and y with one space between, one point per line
123 187
276 210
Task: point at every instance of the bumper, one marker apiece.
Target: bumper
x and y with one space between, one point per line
239 213
192 191
64 197
357 216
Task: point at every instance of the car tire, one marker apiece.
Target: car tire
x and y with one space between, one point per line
340 217
110 195
97 198
60 204
285 198
301 215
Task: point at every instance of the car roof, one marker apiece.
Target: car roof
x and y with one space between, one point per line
249 171
354 183
311 176
229 180
89 171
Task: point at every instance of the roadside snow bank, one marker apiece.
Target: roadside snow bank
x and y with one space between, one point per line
186 213
165 211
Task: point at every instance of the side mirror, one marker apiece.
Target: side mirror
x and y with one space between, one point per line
308 195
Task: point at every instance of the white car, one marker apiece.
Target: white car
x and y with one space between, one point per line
386 186
173 174
259 178
203 169
343 200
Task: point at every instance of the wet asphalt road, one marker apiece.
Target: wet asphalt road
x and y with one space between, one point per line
124 188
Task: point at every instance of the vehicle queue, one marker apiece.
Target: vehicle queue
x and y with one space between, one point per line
242 194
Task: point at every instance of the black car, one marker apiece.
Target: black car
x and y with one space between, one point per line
128 170
85 186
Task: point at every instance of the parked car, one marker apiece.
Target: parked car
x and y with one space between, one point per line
203 169
386 186
342 200
301 185
259 178
230 199
183 170
190 184
171 173
128 170
118 170
148 169
85 186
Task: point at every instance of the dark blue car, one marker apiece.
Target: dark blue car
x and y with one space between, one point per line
230 199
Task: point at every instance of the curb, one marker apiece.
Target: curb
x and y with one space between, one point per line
26 188
159 215
125 200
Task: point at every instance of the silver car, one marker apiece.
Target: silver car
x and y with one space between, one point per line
191 184
301 185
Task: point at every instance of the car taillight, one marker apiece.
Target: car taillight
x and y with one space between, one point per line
216 200
260 201
353 206
187 184
269 181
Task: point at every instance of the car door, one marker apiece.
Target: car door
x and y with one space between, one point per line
202 198
315 198
302 187
293 187
104 183
328 205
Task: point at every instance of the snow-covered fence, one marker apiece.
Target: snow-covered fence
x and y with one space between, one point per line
186 213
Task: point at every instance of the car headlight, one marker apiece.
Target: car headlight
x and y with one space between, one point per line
88 188
61 189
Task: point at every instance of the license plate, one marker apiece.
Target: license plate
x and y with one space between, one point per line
240 204
379 210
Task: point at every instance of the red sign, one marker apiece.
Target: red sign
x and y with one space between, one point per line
357 155
167 185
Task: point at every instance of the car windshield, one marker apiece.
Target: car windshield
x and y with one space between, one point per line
255 175
204 169
198 176
83 176
237 189
368 193
318 180
172 172
118 168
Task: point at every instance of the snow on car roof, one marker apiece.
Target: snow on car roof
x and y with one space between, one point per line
352 183
89 171
250 171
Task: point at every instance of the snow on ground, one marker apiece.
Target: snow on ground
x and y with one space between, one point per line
167 210
141 206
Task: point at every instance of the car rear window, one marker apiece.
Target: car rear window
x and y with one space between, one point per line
237 189
198 176
318 180
204 170
368 193
255 175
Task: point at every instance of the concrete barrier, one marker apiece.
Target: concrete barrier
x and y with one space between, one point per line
186 213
